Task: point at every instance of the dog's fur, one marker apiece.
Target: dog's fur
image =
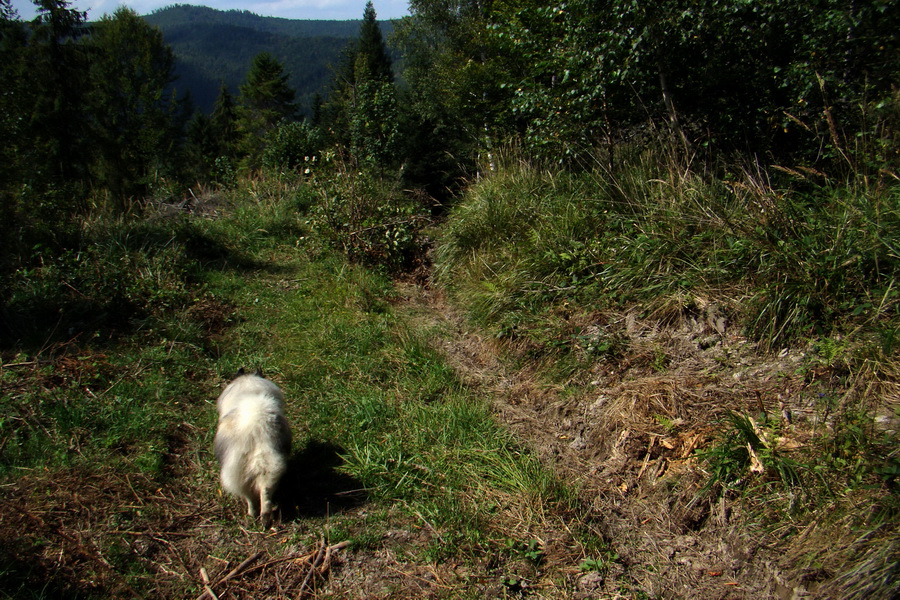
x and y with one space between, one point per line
253 441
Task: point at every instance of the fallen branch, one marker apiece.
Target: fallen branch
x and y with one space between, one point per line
312 568
231 575
205 577
320 563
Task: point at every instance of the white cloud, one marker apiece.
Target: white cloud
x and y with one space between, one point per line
289 9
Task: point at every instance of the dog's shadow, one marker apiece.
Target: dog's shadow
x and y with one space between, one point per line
313 486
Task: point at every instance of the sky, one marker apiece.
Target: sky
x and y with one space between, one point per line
289 9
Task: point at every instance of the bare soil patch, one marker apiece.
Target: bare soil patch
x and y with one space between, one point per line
628 429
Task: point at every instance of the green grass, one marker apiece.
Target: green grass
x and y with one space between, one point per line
134 395
359 379
152 315
810 259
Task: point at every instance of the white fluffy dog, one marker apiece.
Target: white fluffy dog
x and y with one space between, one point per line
253 441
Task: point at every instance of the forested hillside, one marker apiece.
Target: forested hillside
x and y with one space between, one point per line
213 47
568 303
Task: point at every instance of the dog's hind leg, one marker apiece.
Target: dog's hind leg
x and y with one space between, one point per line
252 505
265 503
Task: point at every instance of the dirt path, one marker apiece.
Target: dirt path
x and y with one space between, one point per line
628 438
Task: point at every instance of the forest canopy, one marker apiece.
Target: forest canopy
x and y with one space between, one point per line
95 116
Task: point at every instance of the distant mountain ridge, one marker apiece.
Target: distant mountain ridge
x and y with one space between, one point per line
214 46
184 14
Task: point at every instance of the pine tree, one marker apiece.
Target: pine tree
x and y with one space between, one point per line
376 62
132 116
265 101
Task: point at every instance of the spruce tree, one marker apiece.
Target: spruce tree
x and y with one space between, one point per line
132 115
202 148
265 101
14 99
376 60
361 113
225 124
56 79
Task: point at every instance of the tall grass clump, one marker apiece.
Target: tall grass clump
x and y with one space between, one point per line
828 260
810 259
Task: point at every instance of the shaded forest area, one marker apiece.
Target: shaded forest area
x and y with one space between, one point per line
778 97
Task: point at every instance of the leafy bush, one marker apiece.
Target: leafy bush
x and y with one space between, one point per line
370 220
292 146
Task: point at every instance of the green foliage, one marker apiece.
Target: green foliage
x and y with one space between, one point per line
369 220
532 550
371 49
132 115
528 238
265 94
224 173
361 112
43 123
120 275
266 100
374 124
225 123
201 148
457 101
600 564
585 75
743 449
826 259
292 146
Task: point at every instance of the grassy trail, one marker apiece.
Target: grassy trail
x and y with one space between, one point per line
400 475
432 459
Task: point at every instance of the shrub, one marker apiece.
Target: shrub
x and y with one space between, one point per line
370 220
292 146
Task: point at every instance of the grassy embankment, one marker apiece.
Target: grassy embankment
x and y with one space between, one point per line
759 319
108 479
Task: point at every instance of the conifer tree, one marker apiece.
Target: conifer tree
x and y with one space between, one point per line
265 101
202 148
361 113
56 80
132 116
12 132
376 62
13 97
373 118
225 124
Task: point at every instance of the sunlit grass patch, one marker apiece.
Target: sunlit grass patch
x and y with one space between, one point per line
809 261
